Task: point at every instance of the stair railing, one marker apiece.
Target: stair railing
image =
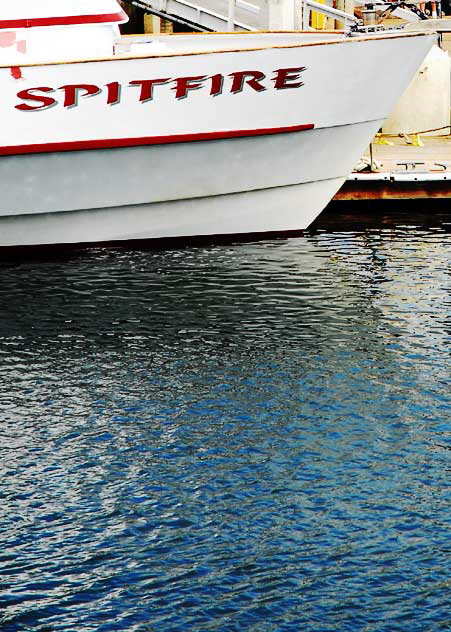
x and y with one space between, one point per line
310 5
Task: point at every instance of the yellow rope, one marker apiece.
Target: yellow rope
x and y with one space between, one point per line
426 131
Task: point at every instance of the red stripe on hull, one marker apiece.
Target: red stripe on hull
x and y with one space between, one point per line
149 140
64 20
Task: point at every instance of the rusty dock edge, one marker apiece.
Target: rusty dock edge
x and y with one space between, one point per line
395 186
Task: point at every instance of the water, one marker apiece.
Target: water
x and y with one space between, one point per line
230 437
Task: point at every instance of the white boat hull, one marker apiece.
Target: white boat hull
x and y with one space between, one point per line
250 160
245 185
281 209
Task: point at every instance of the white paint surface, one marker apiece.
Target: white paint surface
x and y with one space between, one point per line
239 185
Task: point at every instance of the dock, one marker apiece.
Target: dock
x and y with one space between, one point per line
402 168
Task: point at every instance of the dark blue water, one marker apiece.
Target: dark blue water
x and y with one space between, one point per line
229 437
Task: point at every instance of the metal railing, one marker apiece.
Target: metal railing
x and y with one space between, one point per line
240 4
310 5
242 14
197 13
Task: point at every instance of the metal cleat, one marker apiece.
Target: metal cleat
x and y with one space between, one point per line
410 165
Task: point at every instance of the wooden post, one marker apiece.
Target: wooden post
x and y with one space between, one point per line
152 23
344 5
318 19
167 26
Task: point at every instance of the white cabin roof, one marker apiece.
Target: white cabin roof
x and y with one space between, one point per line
29 13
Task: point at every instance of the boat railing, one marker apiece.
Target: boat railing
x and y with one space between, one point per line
300 7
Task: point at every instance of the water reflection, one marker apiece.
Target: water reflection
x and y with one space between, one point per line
246 436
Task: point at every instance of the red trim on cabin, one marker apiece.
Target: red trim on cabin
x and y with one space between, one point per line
64 20
80 145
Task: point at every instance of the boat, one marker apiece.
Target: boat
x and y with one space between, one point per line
106 138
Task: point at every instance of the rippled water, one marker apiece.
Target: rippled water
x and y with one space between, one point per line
229 437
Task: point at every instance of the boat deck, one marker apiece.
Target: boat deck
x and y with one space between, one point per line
162 44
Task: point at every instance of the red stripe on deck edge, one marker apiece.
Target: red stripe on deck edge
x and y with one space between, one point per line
79 145
64 20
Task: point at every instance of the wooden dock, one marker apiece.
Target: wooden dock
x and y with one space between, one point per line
402 170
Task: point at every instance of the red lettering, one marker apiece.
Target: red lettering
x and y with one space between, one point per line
239 79
217 82
147 87
184 84
114 93
46 102
72 92
284 76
